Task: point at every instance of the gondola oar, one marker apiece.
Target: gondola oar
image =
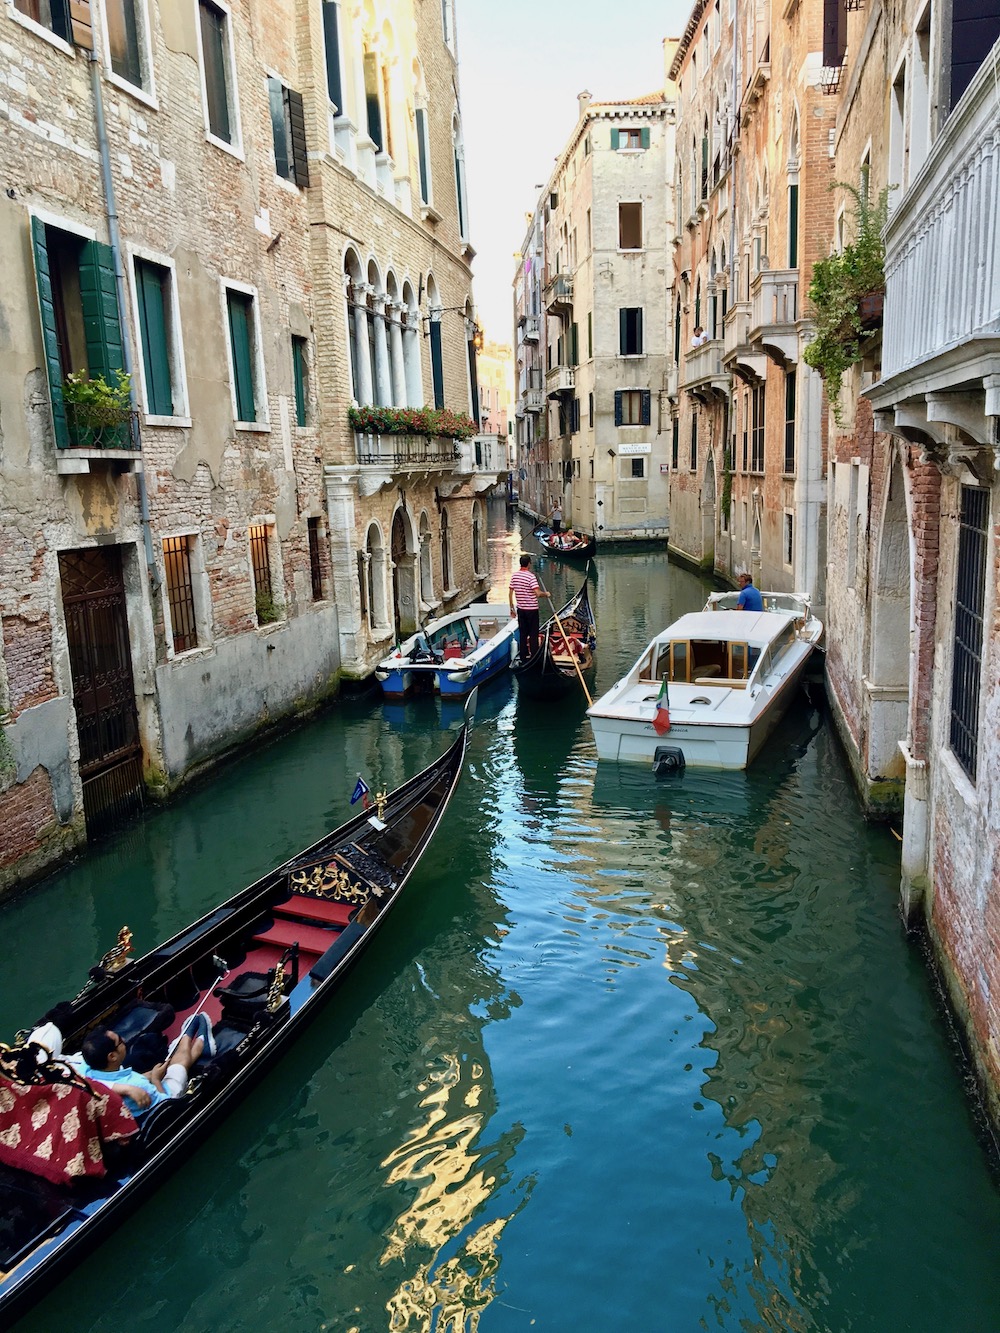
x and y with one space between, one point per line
576 664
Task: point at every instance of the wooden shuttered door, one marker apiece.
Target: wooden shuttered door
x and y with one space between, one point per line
149 281
295 112
81 24
50 337
241 341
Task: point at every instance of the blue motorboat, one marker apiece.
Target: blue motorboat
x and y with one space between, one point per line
453 654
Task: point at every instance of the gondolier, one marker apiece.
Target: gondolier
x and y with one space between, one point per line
525 591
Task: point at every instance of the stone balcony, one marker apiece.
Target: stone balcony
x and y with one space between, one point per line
533 400
738 355
559 294
941 333
560 379
529 326
703 374
774 314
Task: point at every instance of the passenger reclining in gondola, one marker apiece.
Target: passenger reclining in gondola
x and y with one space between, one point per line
104 1055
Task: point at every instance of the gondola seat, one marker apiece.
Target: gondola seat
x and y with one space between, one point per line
141 1018
246 997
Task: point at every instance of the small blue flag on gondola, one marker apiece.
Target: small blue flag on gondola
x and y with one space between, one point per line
360 792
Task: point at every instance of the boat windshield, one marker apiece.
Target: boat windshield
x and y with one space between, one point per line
697 661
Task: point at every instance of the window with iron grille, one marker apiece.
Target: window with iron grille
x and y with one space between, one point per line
969 601
315 563
694 441
675 443
260 562
180 592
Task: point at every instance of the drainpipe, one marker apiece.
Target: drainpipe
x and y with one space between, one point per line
116 249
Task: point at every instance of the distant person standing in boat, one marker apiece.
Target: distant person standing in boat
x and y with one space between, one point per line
525 591
557 516
749 598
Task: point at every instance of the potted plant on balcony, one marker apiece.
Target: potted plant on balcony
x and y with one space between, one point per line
97 409
429 421
846 296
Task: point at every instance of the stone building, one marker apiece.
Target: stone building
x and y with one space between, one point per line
601 304
535 479
747 483
913 637
496 408
258 214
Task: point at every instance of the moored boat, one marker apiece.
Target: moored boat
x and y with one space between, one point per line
452 654
259 966
710 688
549 673
569 545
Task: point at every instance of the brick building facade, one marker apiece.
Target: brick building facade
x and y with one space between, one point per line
913 633
230 204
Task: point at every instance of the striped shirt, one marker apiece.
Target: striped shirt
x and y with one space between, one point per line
524 586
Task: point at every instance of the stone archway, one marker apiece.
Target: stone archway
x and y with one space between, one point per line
404 591
889 645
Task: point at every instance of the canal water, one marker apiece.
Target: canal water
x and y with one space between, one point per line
631 1056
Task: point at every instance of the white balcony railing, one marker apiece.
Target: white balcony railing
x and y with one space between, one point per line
529 329
703 364
482 453
560 379
534 400
737 328
775 299
942 259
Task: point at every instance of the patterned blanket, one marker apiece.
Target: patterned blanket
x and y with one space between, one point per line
58 1130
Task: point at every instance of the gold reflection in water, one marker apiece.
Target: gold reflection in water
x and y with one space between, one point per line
441 1156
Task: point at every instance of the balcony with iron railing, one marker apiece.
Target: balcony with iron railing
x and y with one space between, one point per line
703 373
405 452
560 379
774 313
559 294
99 438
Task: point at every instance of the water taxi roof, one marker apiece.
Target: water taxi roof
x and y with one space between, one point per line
754 627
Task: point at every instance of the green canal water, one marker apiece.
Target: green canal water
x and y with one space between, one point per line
631 1056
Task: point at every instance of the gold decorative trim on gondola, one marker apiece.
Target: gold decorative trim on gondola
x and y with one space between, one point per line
328 881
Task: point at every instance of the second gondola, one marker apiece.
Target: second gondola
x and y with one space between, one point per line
563 645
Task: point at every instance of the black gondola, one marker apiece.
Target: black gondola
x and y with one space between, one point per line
549 672
259 965
551 544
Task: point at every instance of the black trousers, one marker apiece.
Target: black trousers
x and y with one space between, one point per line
527 632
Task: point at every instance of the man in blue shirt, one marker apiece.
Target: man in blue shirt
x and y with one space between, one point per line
749 598
104 1053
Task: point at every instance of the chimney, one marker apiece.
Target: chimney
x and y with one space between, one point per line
584 101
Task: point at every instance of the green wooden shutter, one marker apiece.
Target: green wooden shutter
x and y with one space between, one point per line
50 339
590 333
331 36
645 402
618 407
241 343
614 138
622 330
425 184
297 126
644 136
276 103
299 373
437 364
574 345
99 297
149 280
638 331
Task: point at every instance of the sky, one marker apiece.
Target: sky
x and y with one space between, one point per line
521 65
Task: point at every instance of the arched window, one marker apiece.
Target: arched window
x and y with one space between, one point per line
357 329
374 561
445 551
410 326
426 570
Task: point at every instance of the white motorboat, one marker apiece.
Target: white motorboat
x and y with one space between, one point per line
710 688
453 654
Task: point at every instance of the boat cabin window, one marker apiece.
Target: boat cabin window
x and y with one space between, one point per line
688 660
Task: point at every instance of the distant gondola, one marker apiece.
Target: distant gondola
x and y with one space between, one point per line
259 965
550 543
549 673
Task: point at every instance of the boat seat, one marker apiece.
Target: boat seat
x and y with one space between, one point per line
708 669
141 1018
247 996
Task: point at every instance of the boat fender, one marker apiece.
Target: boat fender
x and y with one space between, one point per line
668 760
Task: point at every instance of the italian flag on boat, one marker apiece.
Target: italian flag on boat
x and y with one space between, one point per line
661 717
